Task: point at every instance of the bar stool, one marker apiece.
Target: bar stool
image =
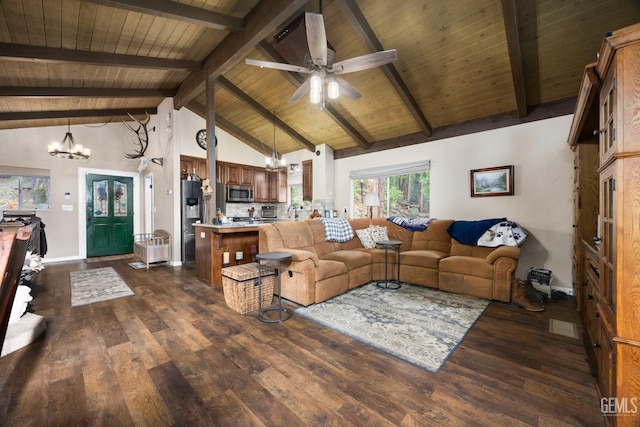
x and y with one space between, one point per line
273 257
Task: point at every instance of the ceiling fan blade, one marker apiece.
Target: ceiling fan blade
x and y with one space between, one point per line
347 90
365 62
303 89
277 66
316 38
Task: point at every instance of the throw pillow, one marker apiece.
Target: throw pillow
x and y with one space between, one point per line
378 234
365 238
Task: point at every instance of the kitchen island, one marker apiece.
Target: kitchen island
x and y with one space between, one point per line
212 241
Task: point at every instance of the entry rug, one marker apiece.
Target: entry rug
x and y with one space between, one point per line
420 325
98 284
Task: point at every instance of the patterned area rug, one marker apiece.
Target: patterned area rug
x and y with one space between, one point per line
98 284
420 325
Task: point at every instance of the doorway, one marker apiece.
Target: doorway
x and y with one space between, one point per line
109 210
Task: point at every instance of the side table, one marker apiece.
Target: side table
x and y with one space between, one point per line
386 245
277 258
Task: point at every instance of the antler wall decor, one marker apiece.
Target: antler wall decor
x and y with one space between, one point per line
143 142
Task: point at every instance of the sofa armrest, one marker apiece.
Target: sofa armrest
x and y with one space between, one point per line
298 255
503 251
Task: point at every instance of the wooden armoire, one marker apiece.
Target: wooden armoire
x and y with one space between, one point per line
605 136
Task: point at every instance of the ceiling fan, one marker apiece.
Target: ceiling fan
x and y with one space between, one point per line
321 64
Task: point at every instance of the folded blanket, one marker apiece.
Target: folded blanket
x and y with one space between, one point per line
413 224
468 232
337 229
504 233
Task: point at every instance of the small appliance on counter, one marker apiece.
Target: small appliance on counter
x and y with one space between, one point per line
269 212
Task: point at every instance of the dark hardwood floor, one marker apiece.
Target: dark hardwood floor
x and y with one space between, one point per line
175 354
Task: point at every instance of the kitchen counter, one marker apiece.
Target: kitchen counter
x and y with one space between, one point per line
213 240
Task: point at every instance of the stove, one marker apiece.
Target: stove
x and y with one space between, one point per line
241 219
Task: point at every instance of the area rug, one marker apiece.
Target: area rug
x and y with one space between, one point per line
420 325
95 285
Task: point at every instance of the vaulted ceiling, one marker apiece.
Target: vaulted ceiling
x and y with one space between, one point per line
463 65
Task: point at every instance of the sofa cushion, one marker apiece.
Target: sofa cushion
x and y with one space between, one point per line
352 259
296 235
435 237
467 266
429 259
458 249
329 268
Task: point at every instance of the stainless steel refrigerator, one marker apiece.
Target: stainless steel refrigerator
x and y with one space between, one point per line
192 211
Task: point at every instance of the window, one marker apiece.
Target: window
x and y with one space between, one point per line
28 190
403 190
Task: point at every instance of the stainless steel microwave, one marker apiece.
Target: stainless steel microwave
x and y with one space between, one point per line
239 193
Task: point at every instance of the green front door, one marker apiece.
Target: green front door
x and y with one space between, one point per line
109 215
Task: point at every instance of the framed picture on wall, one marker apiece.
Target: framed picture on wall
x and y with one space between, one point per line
497 181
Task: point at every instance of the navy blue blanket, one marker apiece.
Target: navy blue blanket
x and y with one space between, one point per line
468 232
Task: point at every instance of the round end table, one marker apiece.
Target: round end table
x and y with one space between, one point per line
283 313
386 245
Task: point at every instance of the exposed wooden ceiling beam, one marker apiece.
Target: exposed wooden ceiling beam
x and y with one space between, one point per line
84 92
229 127
296 80
365 32
539 112
64 114
515 55
51 54
265 18
239 94
178 11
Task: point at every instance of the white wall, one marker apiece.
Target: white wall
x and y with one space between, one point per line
542 203
28 148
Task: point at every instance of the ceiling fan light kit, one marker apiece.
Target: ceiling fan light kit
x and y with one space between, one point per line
321 64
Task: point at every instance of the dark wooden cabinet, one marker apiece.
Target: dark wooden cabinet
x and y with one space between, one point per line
195 165
307 180
269 187
260 185
278 186
237 174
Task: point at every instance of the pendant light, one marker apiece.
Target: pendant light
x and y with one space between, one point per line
274 163
73 151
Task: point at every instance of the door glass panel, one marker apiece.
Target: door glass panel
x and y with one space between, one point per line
100 198
119 198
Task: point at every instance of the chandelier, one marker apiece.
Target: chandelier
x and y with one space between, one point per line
74 151
274 163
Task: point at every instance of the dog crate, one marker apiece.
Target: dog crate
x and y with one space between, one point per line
153 247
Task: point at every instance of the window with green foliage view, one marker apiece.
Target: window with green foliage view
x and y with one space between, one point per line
404 195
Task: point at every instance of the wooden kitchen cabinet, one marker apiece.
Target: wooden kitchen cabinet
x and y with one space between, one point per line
238 174
307 180
190 164
269 187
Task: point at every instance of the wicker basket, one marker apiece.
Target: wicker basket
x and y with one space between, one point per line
239 284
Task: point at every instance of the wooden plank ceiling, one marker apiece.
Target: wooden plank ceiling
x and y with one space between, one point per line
463 65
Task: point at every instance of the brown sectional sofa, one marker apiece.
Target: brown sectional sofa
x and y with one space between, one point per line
320 270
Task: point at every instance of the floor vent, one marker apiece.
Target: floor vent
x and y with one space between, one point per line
561 327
